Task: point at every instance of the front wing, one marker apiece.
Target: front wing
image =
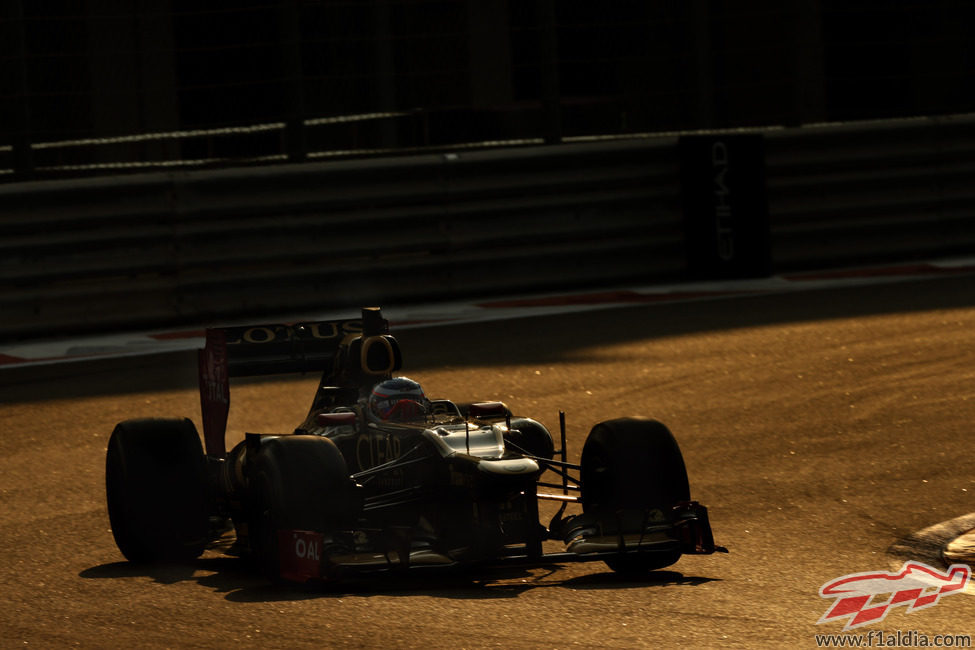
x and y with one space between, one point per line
309 555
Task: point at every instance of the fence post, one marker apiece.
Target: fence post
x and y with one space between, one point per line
294 127
549 72
23 155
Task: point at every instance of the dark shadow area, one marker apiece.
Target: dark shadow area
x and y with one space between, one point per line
541 340
610 580
237 580
227 575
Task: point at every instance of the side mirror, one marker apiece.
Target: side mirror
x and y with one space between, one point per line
488 410
335 419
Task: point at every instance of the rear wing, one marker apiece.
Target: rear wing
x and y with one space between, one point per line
280 349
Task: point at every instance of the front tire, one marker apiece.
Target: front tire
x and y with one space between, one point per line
631 467
155 483
298 482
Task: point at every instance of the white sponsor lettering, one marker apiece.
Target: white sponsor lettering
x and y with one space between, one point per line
307 550
373 449
722 206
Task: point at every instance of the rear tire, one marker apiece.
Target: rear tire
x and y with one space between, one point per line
298 482
155 483
631 466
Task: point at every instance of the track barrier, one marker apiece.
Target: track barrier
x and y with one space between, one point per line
163 248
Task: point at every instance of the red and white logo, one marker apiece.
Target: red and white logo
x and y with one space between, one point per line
300 554
916 585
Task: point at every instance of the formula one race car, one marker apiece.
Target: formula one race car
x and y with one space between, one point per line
379 477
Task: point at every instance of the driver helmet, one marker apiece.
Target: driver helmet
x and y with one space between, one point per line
399 400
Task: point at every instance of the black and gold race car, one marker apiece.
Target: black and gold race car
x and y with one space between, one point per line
379 477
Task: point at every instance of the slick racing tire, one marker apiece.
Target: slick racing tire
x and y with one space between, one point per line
298 482
155 482
632 466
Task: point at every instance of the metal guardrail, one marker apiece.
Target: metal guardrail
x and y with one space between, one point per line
868 192
160 248
193 246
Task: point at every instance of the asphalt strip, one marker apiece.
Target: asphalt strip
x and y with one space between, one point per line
57 352
942 544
